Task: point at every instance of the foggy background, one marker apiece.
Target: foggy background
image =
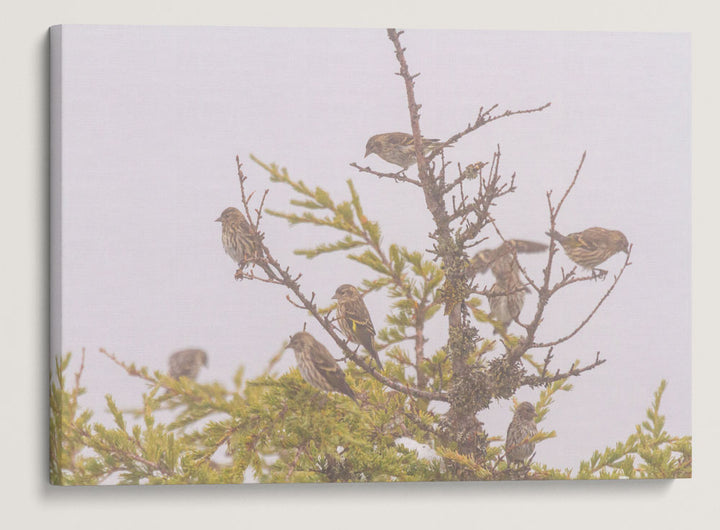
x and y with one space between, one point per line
153 119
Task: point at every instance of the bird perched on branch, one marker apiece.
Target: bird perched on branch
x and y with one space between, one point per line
502 262
317 366
491 258
507 295
238 239
354 319
521 429
399 148
592 246
187 363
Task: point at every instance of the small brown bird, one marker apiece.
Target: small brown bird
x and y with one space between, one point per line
521 429
484 260
187 363
503 263
354 319
237 237
509 292
592 246
399 148
317 366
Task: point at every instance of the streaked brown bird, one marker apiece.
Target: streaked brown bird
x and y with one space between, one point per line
592 246
354 319
507 295
491 258
187 363
237 237
521 429
399 148
317 366
502 261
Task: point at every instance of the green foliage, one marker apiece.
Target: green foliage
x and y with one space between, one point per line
275 429
279 429
650 452
68 464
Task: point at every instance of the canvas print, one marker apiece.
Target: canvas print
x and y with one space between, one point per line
368 255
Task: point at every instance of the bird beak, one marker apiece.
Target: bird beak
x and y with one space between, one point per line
334 297
367 152
218 220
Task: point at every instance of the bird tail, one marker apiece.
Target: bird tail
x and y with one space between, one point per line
448 146
430 144
349 393
352 396
375 355
555 235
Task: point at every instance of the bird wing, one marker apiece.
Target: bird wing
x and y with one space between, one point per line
400 139
328 367
592 239
405 140
527 247
356 312
481 261
487 258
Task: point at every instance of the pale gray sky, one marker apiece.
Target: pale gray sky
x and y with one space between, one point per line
153 118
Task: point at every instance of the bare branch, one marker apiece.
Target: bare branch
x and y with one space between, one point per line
246 199
433 199
592 313
250 275
484 117
397 177
543 380
544 291
515 258
555 211
489 190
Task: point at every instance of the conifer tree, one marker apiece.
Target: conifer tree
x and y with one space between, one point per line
279 428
